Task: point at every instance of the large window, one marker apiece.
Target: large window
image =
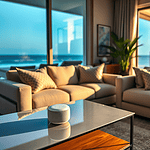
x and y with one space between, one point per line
68 30
144 30
22 34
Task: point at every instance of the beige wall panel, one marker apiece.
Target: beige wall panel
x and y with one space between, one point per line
143 1
103 14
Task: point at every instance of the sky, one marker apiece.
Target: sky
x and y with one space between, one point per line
23 30
19 31
144 31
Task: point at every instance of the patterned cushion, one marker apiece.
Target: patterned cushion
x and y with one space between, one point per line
146 78
88 75
38 80
63 75
139 79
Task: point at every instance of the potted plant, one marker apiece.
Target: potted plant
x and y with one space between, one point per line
123 50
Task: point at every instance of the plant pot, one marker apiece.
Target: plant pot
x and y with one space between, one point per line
124 73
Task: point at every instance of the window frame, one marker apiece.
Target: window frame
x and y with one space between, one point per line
138 17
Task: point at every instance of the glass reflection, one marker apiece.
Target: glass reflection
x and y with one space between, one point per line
76 112
59 132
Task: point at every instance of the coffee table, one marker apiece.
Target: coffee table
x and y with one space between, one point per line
32 131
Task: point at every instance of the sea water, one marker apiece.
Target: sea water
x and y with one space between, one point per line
27 60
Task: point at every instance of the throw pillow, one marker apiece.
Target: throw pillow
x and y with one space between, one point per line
63 75
38 80
146 78
139 79
88 74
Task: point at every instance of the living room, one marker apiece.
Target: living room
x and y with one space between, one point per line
64 33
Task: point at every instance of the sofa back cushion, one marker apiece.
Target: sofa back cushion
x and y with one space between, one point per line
89 75
63 75
38 79
45 65
13 76
23 67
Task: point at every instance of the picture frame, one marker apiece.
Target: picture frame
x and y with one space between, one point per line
103 38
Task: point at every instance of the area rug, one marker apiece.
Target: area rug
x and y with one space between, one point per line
121 129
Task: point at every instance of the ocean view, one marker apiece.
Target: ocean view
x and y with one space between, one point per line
27 60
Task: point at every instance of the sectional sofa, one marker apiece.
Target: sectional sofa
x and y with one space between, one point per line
18 96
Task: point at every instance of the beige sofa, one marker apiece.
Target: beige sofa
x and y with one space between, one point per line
131 98
17 96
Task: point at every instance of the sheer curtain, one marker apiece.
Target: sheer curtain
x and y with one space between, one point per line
125 23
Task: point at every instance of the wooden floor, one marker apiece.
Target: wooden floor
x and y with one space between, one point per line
96 140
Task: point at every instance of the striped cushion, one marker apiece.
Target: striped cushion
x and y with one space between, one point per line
88 75
38 80
146 78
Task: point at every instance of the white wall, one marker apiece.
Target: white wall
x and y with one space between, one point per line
103 11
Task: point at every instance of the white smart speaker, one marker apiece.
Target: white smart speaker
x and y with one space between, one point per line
58 114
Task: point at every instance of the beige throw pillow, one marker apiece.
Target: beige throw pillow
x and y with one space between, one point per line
146 78
63 75
139 79
38 80
88 75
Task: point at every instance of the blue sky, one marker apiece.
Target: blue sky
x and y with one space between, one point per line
144 30
19 31
23 29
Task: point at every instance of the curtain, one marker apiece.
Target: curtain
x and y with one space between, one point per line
125 23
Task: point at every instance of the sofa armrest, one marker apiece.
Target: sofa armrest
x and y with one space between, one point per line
122 84
19 93
110 78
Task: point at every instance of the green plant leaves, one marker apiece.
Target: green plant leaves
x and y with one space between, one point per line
123 49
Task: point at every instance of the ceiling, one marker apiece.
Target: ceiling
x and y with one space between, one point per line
72 6
37 3
145 14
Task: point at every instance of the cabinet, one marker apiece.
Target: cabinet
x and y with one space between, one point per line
111 68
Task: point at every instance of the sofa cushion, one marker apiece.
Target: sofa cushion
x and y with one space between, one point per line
90 75
101 89
146 78
63 75
46 65
139 79
23 67
13 76
49 97
137 96
78 92
37 80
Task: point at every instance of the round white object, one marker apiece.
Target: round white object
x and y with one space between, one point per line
59 113
104 59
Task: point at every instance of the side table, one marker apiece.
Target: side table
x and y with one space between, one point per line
111 68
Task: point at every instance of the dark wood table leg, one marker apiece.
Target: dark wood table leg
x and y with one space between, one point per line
131 132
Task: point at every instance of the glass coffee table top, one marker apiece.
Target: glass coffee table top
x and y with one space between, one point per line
29 130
